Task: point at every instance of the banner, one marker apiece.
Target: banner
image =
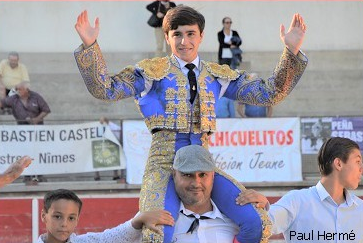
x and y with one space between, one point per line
258 149
348 127
58 149
136 143
314 132
250 150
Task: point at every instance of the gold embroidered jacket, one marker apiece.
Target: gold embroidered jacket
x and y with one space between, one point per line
165 104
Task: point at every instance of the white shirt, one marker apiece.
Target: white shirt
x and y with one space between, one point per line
311 215
218 229
124 233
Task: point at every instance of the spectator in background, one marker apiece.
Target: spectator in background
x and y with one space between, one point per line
116 130
159 8
29 108
225 108
229 39
324 210
12 73
247 110
14 170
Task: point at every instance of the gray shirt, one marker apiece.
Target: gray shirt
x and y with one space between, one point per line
35 105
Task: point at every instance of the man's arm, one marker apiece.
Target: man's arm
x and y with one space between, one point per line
93 68
151 219
254 90
2 89
44 110
25 73
39 118
282 213
130 231
86 32
293 39
14 170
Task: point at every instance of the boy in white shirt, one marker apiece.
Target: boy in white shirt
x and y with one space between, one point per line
61 215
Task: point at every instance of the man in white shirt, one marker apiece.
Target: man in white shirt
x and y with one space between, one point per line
327 212
199 219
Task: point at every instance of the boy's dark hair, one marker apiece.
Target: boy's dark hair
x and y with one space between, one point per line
182 15
333 148
59 194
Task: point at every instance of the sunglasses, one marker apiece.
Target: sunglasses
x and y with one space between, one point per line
228 22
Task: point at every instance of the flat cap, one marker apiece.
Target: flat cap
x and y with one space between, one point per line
193 158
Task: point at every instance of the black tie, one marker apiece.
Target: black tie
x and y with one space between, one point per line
192 81
195 223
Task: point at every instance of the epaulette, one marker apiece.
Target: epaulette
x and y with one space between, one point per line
128 74
221 71
156 68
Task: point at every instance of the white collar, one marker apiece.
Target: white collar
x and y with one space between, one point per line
182 63
215 213
323 194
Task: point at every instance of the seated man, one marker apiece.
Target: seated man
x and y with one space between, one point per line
29 107
327 212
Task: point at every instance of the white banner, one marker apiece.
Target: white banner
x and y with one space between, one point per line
136 142
250 150
58 149
258 149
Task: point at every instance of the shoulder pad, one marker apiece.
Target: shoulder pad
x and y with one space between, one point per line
156 68
128 73
221 71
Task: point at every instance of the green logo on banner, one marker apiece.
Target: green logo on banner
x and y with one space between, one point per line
105 154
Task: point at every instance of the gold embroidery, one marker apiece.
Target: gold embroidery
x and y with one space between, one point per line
211 97
286 75
182 108
156 177
92 67
170 121
181 81
182 94
170 94
182 121
170 107
156 68
204 108
221 71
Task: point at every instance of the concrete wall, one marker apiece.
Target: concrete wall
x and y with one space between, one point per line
49 26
